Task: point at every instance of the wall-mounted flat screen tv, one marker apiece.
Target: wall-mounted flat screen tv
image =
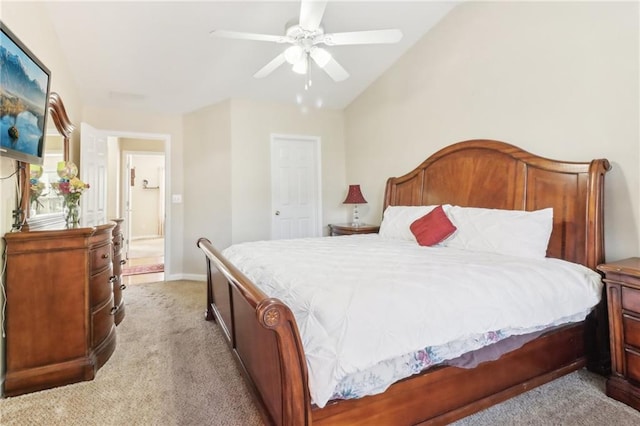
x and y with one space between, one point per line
24 100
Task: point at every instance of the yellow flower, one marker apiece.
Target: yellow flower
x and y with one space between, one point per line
76 185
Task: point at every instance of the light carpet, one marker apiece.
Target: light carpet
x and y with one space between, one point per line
171 367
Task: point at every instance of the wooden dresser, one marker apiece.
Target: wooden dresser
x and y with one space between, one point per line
118 262
60 314
622 279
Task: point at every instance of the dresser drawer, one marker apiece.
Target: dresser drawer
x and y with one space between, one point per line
631 330
631 299
101 287
117 243
100 257
633 365
102 323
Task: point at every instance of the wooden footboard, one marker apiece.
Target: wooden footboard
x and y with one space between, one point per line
263 336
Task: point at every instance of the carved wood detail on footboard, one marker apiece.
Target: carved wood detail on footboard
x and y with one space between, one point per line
250 319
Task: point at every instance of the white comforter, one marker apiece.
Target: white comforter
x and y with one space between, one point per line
361 299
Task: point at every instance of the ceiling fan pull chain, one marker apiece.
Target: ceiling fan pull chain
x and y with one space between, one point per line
307 85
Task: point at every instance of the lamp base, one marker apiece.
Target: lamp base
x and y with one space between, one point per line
356 219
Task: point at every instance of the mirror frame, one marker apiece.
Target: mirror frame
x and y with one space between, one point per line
57 114
61 120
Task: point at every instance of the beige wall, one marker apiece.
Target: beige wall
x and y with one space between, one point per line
140 145
557 79
252 124
207 196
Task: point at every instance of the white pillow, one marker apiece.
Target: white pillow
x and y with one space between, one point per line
510 232
396 221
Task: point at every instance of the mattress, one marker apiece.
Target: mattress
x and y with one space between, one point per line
362 302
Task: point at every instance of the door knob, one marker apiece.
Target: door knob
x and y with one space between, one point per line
277 212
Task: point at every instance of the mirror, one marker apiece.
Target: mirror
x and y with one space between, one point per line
46 212
42 199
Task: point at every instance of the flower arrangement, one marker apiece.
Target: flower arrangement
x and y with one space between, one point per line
70 187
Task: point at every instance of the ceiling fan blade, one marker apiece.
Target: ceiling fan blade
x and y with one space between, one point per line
249 36
311 13
361 37
320 56
335 70
270 67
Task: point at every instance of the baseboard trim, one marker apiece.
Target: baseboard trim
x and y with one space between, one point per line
189 277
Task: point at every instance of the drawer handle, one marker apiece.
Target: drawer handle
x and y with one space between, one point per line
123 262
113 310
123 287
105 256
113 279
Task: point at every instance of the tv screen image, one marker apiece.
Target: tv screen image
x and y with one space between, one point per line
24 100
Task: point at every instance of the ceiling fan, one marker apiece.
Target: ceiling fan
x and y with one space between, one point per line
306 38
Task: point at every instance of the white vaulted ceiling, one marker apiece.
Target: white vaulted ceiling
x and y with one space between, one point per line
159 56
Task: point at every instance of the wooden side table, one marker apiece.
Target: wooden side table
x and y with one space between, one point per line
622 280
349 229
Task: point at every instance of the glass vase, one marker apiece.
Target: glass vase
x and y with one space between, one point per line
72 213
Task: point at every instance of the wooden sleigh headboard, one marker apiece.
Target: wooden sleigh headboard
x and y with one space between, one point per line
492 174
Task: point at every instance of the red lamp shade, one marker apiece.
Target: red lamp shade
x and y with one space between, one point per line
354 196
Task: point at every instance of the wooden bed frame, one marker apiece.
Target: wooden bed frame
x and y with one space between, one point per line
263 335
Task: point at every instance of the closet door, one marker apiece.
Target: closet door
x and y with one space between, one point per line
295 187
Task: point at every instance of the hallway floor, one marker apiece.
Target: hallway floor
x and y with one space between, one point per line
146 248
146 251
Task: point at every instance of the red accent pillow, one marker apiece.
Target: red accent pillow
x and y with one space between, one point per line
433 227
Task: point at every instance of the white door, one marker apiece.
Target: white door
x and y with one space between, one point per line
93 170
295 187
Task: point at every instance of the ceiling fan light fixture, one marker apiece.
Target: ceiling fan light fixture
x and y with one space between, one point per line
293 54
320 56
301 67
305 35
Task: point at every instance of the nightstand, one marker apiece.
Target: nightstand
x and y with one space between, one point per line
622 280
348 229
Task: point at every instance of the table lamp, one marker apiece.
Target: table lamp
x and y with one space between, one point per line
354 196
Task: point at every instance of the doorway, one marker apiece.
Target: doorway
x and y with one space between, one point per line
116 187
144 211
